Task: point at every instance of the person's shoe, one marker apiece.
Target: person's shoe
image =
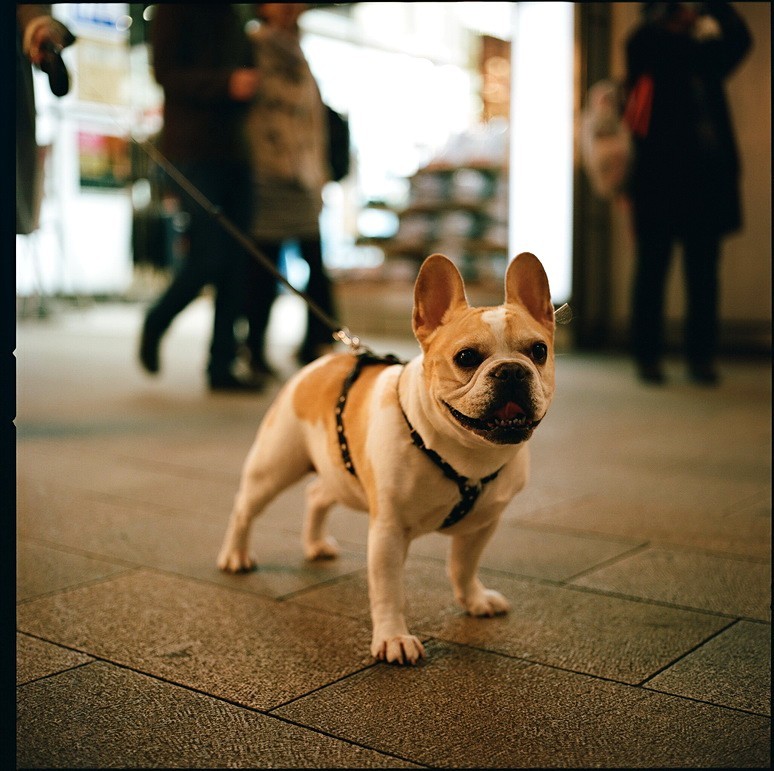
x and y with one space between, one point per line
261 369
149 352
703 374
650 373
229 382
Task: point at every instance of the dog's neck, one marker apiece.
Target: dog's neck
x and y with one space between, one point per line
469 455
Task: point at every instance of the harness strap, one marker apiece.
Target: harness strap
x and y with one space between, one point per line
363 359
468 492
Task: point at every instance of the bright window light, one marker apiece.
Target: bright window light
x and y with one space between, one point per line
541 141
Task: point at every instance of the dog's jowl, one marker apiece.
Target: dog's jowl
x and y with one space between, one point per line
440 443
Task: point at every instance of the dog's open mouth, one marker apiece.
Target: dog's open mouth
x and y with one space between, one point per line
508 423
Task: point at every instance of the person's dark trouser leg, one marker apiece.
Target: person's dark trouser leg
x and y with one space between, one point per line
214 257
185 286
702 264
647 323
230 271
320 291
260 295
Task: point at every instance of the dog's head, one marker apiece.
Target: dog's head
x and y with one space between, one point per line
489 371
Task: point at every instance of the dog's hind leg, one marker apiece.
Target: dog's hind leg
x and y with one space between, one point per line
316 544
276 460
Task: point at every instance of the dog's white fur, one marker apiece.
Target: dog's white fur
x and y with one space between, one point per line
462 408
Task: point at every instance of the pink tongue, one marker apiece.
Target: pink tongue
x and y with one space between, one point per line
510 410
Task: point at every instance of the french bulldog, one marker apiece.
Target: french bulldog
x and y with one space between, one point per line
440 443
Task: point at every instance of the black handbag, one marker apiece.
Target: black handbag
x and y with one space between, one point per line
338 144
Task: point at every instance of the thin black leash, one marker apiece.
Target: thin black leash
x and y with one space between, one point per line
339 333
562 315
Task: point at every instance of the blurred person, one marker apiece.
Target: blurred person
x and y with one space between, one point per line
202 60
684 185
287 130
39 39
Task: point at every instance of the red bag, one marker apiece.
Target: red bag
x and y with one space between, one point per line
639 106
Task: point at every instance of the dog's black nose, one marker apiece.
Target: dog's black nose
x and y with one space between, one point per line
509 371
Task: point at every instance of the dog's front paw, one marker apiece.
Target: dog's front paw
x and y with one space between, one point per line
400 649
487 602
324 549
235 561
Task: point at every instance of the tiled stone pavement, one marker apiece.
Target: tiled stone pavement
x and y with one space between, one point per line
637 562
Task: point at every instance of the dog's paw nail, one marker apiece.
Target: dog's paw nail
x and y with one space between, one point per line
402 649
378 653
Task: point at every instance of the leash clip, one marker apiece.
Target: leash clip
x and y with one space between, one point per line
563 314
343 335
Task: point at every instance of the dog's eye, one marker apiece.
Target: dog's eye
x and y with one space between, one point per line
468 358
539 353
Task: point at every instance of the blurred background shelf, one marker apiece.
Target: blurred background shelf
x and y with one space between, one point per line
458 210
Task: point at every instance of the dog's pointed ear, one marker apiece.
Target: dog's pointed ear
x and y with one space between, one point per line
438 289
526 284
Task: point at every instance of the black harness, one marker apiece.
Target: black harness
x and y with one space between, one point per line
468 492
362 360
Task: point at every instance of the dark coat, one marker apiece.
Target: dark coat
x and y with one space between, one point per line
29 173
195 49
686 169
27 170
29 157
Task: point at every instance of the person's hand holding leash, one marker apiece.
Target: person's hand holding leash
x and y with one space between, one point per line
44 39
